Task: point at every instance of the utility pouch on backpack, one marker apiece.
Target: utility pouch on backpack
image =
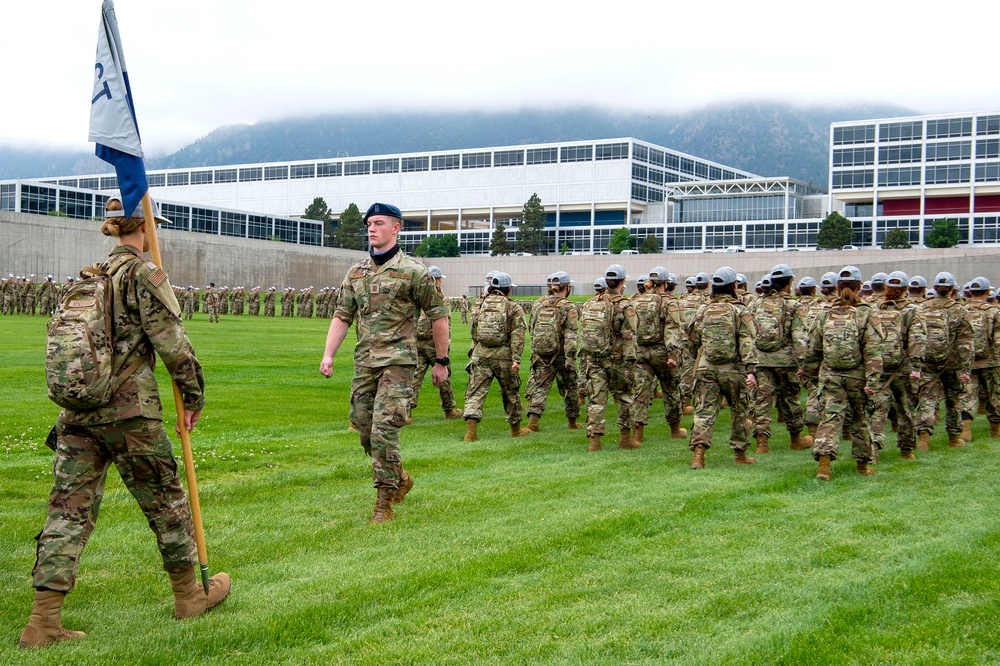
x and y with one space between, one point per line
841 339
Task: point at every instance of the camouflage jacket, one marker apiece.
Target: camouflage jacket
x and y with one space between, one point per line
623 329
793 328
146 319
514 329
384 300
570 322
911 333
869 343
425 328
991 324
269 298
742 338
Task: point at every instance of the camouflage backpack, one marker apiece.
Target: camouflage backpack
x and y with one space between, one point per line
892 344
649 329
546 327
938 333
596 325
769 316
718 335
491 325
841 339
979 319
79 347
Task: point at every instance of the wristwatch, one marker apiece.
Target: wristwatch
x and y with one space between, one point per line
443 361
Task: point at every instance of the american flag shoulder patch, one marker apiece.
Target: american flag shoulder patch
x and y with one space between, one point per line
157 278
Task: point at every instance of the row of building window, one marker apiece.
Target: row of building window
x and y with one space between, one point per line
934 174
945 151
914 130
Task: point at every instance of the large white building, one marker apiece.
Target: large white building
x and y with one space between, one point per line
908 172
589 189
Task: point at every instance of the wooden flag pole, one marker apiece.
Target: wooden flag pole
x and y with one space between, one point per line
192 482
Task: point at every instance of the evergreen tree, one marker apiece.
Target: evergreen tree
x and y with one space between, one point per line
350 233
320 211
650 245
896 239
531 233
834 232
621 240
498 243
944 233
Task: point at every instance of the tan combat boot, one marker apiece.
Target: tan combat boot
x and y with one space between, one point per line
471 430
638 433
595 443
517 431
955 441
741 458
383 507
688 410
967 430
532 423
995 431
405 485
812 431
573 425
824 468
625 440
924 441
762 446
44 626
907 454
698 461
452 414
190 599
800 441
409 420
864 469
677 432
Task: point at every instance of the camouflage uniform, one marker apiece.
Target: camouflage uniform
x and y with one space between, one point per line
237 302
559 366
777 378
715 381
840 389
30 297
426 357
689 303
269 303
128 432
383 300
984 380
223 307
254 302
463 307
489 363
652 367
212 304
606 374
941 379
902 322
287 302
813 414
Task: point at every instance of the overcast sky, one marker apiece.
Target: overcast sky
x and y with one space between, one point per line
199 64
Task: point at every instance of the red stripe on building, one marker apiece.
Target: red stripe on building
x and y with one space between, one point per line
988 203
937 205
901 207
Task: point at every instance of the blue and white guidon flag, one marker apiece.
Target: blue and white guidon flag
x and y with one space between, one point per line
112 114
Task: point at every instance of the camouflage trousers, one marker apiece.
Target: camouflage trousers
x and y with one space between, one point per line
543 373
710 387
812 415
983 382
254 309
687 376
583 369
607 375
269 309
482 372
781 386
141 451
897 391
651 370
839 394
380 405
213 313
937 385
188 310
426 356
465 316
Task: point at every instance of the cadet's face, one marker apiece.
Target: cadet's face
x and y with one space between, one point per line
382 232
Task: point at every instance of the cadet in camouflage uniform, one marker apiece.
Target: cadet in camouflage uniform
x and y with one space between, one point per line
427 357
47 296
553 351
254 302
223 308
463 307
212 297
949 352
845 353
690 302
814 304
189 303
6 287
607 338
984 380
902 359
30 296
780 341
287 302
269 302
722 337
127 431
382 294
660 335
237 302
498 343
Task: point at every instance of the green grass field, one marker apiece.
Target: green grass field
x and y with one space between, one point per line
507 550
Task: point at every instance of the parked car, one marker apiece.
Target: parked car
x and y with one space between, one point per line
523 254
630 251
850 247
734 248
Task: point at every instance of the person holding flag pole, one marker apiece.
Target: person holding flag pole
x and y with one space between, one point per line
127 428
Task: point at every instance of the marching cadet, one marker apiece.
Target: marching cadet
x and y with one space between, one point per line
254 301
427 356
984 380
269 302
845 353
902 360
554 323
189 303
498 338
722 335
917 289
660 341
948 359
